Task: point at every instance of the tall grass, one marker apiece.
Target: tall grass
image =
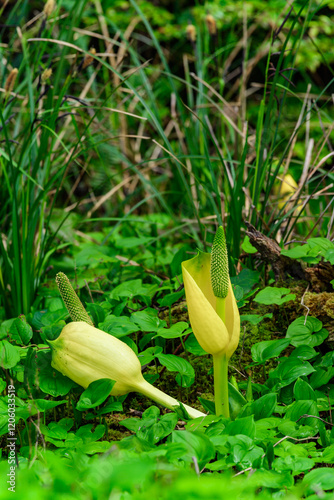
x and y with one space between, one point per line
129 135
34 159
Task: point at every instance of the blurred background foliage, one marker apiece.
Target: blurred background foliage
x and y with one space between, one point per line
135 108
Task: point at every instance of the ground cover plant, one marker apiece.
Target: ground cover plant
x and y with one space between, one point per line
166 173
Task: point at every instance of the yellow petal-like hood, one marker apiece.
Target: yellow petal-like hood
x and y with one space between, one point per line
213 334
84 354
232 322
207 326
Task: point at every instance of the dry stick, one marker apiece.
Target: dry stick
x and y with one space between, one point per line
237 49
229 175
101 199
301 184
243 98
251 64
314 416
330 225
222 112
124 145
302 303
323 127
322 161
180 136
295 132
330 129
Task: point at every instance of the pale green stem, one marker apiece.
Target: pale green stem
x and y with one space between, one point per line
220 374
160 397
220 371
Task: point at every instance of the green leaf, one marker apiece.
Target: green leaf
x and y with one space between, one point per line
51 332
96 312
94 255
244 425
195 445
298 252
296 430
312 251
321 376
304 352
299 408
329 255
148 320
295 464
20 331
303 391
318 480
209 406
156 430
50 380
264 407
246 279
118 326
95 394
3 384
236 401
272 295
254 319
262 351
9 355
170 299
54 430
247 246
243 452
289 370
5 327
44 404
132 241
175 331
133 288
271 479
87 435
328 455
110 407
180 365
149 354
93 448
306 332
179 257
192 345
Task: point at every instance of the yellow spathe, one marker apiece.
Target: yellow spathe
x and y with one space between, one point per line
215 335
85 354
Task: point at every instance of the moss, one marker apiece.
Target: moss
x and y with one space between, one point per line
116 431
320 304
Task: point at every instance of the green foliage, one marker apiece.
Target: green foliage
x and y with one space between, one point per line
110 167
274 295
312 251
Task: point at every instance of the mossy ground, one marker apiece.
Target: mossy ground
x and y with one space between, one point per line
320 305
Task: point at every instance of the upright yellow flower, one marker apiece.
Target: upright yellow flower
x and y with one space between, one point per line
213 311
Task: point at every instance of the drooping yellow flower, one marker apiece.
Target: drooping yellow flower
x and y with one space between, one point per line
85 354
